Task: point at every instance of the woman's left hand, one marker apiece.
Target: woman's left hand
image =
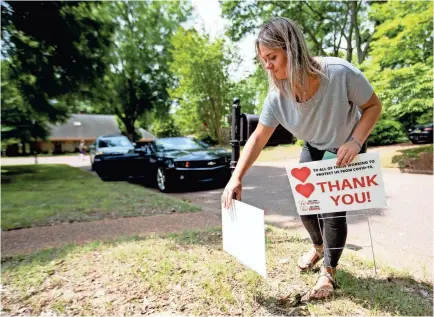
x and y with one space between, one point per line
347 152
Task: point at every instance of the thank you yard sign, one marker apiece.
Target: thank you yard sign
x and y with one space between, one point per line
322 187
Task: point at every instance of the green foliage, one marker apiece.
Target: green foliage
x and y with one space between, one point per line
251 91
327 24
246 92
138 76
200 66
53 49
400 67
386 132
19 122
165 128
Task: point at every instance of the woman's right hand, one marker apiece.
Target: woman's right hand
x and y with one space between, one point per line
233 188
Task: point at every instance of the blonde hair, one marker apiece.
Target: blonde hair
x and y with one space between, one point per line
285 34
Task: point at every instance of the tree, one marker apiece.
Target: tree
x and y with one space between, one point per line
19 122
251 91
138 76
400 67
165 128
202 91
330 27
53 48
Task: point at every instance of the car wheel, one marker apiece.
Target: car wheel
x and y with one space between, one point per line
415 141
162 181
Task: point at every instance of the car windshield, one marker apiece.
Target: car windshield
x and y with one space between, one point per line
113 142
179 144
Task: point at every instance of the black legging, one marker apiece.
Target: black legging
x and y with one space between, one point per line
334 228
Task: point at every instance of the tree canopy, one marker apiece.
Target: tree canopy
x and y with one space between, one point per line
53 49
138 76
401 59
139 61
331 27
200 67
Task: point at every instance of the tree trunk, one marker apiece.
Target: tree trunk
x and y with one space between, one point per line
131 132
355 23
349 39
342 34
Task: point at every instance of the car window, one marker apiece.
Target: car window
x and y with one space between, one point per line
179 144
113 142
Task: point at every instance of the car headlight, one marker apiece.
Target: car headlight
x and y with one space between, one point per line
99 153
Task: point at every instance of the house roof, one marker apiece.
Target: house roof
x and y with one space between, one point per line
84 126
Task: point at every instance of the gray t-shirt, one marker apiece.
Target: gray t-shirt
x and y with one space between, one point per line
329 118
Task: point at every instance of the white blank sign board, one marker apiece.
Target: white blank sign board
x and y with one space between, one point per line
244 235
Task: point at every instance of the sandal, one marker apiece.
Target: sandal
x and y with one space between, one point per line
322 290
307 261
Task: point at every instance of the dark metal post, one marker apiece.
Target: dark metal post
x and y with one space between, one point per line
35 153
235 132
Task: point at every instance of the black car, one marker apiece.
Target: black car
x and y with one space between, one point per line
421 133
108 145
169 162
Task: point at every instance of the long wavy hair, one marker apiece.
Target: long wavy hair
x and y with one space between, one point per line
285 34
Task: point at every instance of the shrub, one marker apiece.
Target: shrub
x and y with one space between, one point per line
386 132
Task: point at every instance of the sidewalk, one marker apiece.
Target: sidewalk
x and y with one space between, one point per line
25 241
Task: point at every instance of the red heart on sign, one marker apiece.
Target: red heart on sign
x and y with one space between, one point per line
305 189
301 173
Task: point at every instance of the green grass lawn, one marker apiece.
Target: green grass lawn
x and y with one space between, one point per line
279 152
38 195
404 155
190 274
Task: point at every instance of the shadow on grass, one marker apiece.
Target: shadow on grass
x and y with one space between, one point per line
400 296
181 188
9 173
397 295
